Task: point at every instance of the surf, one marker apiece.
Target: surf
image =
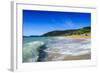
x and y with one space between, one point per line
43 49
31 51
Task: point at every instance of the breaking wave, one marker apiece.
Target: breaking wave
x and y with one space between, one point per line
30 51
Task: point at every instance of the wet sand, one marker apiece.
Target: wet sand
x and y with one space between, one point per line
63 57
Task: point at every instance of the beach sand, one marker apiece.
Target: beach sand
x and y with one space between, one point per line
78 36
63 57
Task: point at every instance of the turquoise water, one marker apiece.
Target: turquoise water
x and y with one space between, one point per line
36 49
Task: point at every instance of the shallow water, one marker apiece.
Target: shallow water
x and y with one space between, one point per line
40 48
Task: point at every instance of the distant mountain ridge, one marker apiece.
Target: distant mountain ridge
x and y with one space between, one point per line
69 32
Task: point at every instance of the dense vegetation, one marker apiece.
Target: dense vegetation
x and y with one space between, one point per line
69 32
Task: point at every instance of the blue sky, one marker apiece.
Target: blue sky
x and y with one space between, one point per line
40 22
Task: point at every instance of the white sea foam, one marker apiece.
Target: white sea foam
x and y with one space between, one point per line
70 47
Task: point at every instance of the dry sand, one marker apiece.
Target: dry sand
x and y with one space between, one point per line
78 36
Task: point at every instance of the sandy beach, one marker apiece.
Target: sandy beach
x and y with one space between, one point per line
85 36
63 57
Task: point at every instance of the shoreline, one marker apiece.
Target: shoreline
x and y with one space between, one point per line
59 56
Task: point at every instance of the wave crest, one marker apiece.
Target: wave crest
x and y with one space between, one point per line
30 51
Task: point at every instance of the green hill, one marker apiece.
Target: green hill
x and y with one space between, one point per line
80 31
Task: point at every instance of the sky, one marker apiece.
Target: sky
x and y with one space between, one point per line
40 22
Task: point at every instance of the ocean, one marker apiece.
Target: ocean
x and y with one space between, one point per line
43 49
